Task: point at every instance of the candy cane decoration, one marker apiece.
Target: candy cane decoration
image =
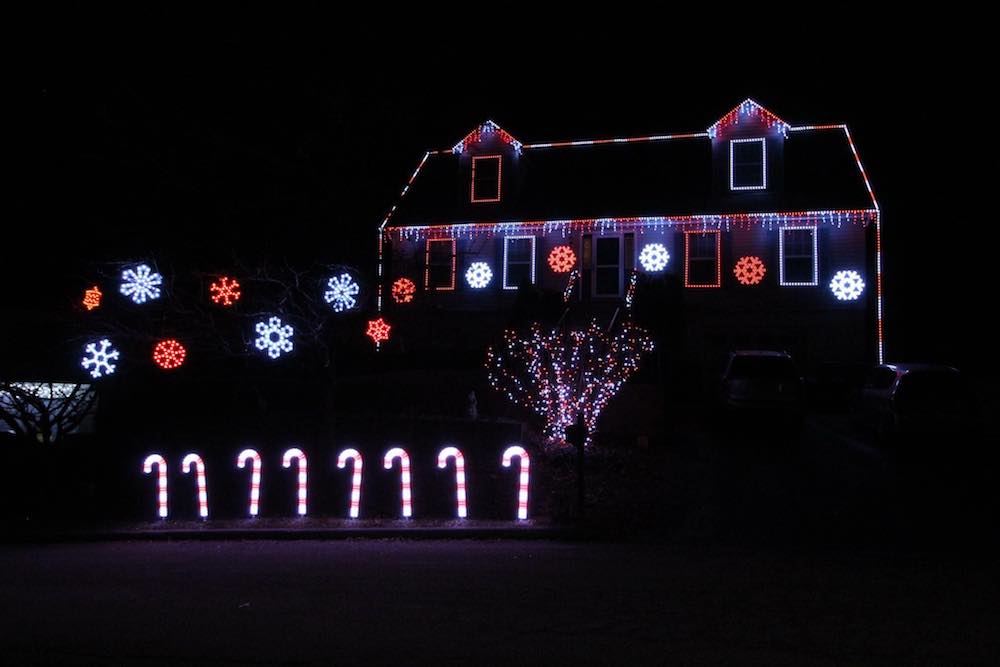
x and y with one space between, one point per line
161 480
286 462
404 466
522 487
355 455
443 456
241 462
199 467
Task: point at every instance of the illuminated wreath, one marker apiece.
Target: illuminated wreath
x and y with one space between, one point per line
169 354
562 259
403 290
749 270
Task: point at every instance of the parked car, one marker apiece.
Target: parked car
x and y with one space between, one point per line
763 382
916 400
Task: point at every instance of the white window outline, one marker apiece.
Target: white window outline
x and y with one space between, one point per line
781 257
763 164
505 244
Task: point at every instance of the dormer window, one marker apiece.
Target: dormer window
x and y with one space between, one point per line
747 164
486 174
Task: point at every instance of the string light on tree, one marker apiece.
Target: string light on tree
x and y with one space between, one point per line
342 292
92 298
403 290
226 291
562 259
274 337
169 354
99 358
847 285
749 270
478 275
654 257
141 283
378 330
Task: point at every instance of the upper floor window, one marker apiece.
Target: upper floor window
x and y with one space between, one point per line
439 265
486 176
747 164
607 266
797 250
518 261
703 259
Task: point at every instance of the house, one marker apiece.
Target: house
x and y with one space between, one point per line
767 234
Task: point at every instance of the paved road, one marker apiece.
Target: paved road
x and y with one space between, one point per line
384 602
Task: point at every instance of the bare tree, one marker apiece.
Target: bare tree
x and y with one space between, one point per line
45 411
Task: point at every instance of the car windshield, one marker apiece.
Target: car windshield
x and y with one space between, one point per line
920 387
772 368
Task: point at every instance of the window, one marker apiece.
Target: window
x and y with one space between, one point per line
702 259
798 266
439 266
607 266
486 172
747 164
518 261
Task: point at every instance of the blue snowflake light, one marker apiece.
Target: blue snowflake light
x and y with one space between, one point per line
847 285
274 337
141 283
478 275
342 292
99 358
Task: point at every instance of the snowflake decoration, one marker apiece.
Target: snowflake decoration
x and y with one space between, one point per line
403 290
274 337
562 259
169 354
749 270
99 358
654 257
92 298
141 284
342 292
478 275
226 291
378 330
847 285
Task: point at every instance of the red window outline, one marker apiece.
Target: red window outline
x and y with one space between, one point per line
718 257
499 159
427 265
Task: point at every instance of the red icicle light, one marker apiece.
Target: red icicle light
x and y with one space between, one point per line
169 354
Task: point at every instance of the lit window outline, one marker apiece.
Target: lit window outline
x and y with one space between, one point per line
427 265
781 257
718 257
763 164
505 245
499 159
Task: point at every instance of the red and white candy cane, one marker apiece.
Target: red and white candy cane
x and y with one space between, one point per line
443 456
161 480
286 462
241 462
199 467
354 455
522 487
404 477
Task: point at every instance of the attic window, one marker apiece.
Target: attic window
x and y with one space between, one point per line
747 164
486 178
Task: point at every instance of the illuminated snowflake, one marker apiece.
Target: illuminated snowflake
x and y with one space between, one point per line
562 259
226 291
847 285
654 257
341 292
274 337
749 270
169 354
92 298
478 275
378 330
403 290
141 284
99 358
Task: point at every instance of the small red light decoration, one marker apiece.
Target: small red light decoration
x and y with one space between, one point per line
169 354
749 270
562 259
403 290
226 291
92 298
378 330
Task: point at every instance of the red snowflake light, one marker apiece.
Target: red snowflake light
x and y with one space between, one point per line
378 330
749 270
562 259
92 298
226 291
403 290
169 354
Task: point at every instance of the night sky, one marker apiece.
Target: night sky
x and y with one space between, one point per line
201 145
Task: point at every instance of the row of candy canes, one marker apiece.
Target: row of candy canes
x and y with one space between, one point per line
353 455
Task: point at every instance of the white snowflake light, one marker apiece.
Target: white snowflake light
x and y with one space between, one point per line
274 337
847 285
654 257
99 358
342 292
141 283
478 275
